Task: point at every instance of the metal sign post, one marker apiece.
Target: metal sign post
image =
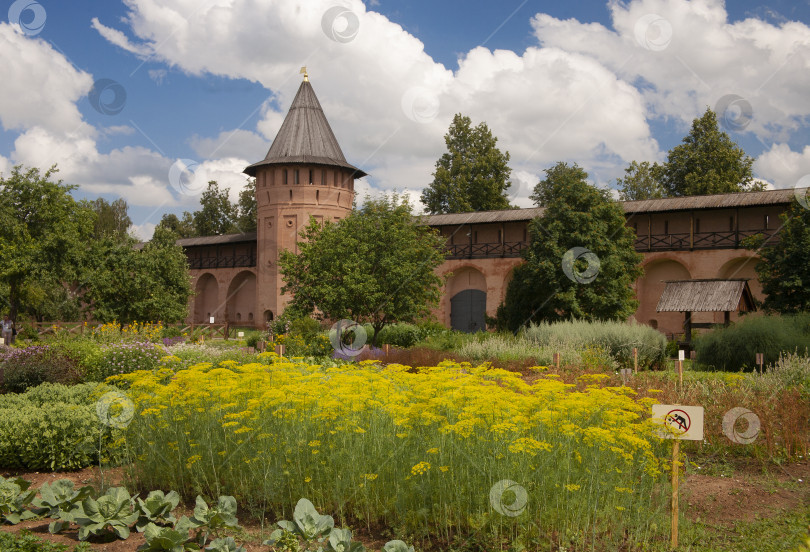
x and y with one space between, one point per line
678 423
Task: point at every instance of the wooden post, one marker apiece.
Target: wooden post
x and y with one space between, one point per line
760 361
226 330
691 230
680 372
675 494
687 329
635 359
557 360
387 349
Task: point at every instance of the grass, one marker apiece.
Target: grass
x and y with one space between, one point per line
779 533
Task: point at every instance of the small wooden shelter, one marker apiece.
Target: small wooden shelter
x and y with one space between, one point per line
688 296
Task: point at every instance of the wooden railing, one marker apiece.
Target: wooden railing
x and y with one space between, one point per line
483 250
680 241
223 330
683 241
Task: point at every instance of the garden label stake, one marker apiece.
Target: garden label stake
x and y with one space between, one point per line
635 359
678 422
760 361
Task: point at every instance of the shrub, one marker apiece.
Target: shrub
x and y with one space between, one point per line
734 347
252 338
122 358
508 348
790 371
616 338
31 366
400 335
54 427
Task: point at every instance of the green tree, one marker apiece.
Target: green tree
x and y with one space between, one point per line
182 228
374 266
641 181
784 269
217 214
111 218
558 178
581 262
473 175
707 162
126 283
43 236
246 208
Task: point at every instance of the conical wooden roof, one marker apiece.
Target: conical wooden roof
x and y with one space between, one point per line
305 137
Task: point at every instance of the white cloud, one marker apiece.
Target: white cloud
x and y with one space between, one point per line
40 87
142 232
685 55
783 166
388 102
118 38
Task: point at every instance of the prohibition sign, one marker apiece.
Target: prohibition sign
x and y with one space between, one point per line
678 420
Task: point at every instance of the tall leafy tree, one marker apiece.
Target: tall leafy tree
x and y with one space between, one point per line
43 235
473 175
581 262
182 227
784 270
217 214
558 178
112 219
707 162
641 181
342 271
127 283
246 208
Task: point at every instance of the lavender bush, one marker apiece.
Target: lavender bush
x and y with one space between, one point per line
31 366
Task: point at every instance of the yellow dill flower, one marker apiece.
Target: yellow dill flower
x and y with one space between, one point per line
307 479
571 487
444 468
433 450
370 476
421 468
315 443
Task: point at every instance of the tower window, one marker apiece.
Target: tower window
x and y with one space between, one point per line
767 222
310 177
323 177
666 227
317 196
335 182
296 176
285 176
290 195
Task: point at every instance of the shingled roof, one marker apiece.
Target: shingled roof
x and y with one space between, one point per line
305 137
706 296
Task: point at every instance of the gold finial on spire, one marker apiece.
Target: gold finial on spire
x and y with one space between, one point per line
303 71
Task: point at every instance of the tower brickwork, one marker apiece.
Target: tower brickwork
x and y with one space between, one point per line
303 175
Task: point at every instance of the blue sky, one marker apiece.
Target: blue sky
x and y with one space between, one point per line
208 82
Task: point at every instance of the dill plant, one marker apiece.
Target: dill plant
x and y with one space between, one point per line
416 449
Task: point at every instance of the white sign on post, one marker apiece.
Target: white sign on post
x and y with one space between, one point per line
681 355
211 320
680 422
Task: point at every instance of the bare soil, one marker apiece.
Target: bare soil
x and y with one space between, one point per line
747 495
